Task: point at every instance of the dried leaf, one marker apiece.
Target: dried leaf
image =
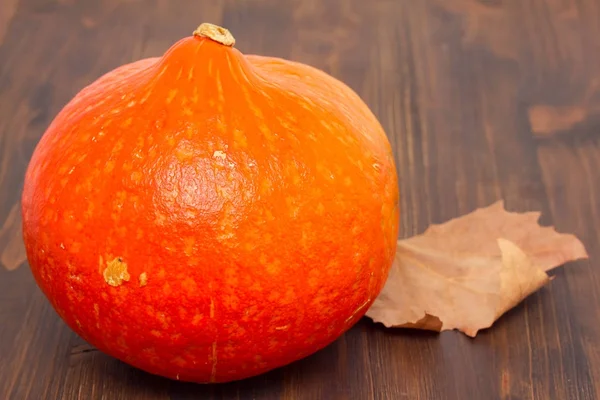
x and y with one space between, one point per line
464 274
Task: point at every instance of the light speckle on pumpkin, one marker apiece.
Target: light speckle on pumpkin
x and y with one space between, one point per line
212 308
239 139
220 94
292 206
167 290
320 209
197 318
213 374
209 64
220 154
136 176
189 285
88 184
155 333
120 198
180 362
282 328
100 264
109 166
74 247
171 95
359 309
190 73
143 279
273 343
146 96
162 71
255 110
189 243
267 133
314 277
195 95
225 236
122 343
118 146
160 218
269 215
89 211
274 267
116 272
63 169
97 315
265 186
221 126
163 320
127 122
274 296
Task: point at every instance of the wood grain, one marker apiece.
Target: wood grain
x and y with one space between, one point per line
482 100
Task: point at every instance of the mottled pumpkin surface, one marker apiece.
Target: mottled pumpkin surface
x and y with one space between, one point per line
209 216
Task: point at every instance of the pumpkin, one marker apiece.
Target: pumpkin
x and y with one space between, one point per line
209 216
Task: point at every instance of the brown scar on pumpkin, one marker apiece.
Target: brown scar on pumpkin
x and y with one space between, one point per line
143 278
116 272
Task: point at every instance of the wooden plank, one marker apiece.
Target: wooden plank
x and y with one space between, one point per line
481 100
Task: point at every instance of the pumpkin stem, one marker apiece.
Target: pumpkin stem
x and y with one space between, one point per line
216 33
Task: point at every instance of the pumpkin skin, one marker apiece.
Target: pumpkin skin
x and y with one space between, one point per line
208 216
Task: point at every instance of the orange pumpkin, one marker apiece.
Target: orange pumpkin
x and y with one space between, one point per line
208 216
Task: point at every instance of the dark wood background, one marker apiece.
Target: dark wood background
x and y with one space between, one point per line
482 100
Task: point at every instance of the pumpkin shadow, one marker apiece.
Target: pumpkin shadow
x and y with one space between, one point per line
409 333
309 370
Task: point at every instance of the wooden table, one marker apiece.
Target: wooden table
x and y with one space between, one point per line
482 100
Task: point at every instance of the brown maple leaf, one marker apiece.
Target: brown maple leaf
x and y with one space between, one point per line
464 274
